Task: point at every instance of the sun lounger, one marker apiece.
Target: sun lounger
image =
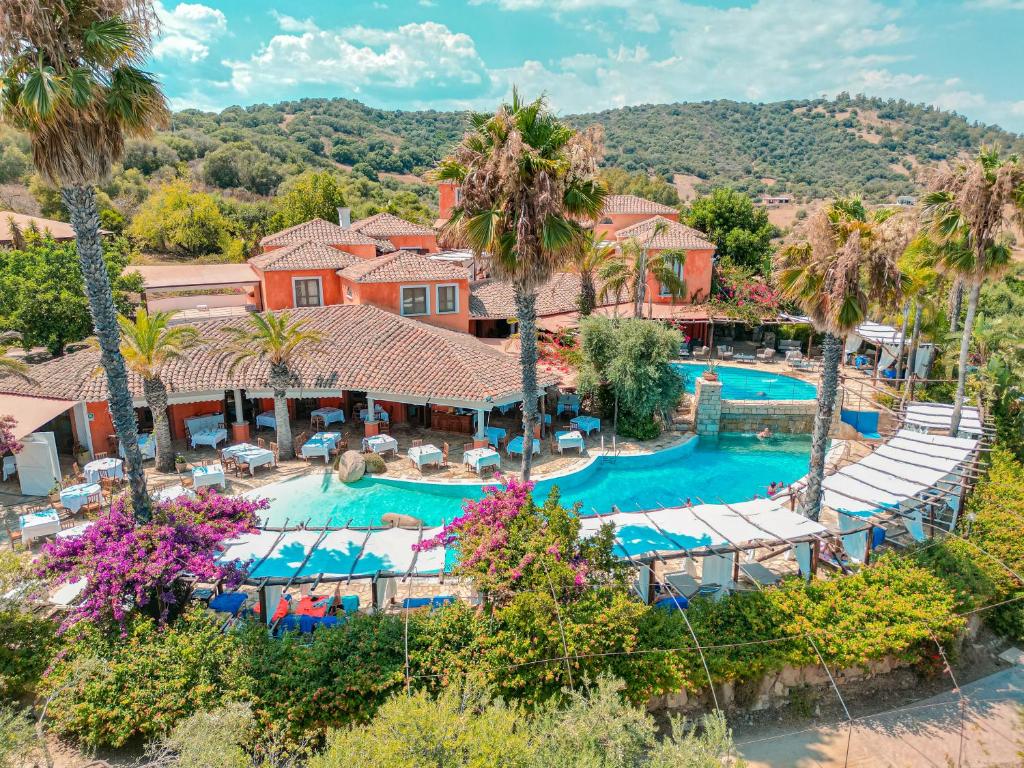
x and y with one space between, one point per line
412 603
672 603
228 602
766 355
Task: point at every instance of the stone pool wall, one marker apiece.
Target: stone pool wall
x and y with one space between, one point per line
713 415
781 416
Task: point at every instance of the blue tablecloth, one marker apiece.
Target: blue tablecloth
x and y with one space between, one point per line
330 415
74 497
211 438
266 419
495 435
586 424
515 445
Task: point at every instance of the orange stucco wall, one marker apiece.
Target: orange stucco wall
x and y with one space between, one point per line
696 273
176 415
426 242
278 293
446 193
100 425
387 296
623 220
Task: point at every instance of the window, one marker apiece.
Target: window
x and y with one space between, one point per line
415 301
447 299
677 267
307 291
348 292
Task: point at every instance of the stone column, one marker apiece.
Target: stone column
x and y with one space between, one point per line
240 429
707 413
370 427
480 438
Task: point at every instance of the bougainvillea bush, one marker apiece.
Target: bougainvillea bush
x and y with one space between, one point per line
138 566
8 443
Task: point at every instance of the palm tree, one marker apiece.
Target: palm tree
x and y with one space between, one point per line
273 338
970 203
848 262
627 272
148 343
69 78
527 181
589 258
12 366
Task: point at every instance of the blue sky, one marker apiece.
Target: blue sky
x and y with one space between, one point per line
588 55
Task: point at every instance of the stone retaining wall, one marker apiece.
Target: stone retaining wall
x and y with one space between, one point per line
781 416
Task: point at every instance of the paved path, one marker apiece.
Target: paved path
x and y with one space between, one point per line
925 734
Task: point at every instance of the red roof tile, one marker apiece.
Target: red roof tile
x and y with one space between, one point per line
384 225
403 267
672 234
307 255
320 231
634 204
363 348
495 299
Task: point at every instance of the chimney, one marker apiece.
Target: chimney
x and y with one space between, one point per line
344 217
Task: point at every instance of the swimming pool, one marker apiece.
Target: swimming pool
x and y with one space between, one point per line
734 469
751 383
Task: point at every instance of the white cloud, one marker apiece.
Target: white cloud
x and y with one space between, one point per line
426 56
187 30
291 24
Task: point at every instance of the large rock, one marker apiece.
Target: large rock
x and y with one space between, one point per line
351 466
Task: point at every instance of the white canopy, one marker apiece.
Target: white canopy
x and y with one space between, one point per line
937 416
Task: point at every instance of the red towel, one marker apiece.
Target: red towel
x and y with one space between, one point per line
308 608
280 613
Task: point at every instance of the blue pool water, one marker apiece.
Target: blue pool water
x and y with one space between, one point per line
735 469
751 383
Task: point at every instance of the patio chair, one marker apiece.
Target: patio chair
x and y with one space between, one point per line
384 427
766 355
274 450
416 444
701 352
261 443
468 447
76 471
317 424
444 454
101 455
113 444
725 352
92 509
13 536
10 467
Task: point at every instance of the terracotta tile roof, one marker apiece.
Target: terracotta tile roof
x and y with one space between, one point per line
320 231
673 234
385 225
363 348
403 267
307 255
495 299
634 204
59 230
162 276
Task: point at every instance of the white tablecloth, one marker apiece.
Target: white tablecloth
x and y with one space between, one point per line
204 423
74 497
478 458
426 454
380 444
147 445
379 414
266 419
212 474
330 415
247 453
37 524
108 467
212 438
78 530
320 444
571 439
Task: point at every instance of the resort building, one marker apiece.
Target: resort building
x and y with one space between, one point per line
658 233
622 211
368 357
10 221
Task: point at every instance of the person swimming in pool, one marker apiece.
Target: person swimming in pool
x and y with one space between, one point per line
765 433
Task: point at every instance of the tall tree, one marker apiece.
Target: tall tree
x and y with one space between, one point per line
589 258
276 340
527 180
848 261
740 230
70 78
971 202
148 343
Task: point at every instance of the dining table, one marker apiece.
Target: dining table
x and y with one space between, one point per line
478 458
421 455
320 444
98 468
515 445
329 415
586 424
266 419
74 497
380 444
572 438
252 455
35 525
211 474
212 437
147 446
495 435
379 414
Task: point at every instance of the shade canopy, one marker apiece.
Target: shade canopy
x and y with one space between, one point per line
30 413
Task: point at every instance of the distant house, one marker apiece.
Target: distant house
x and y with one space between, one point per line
621 211
661 234
776 199
402 234
60 231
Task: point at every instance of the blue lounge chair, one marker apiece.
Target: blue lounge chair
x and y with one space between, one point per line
877 537
330 622
442 600
306 624
289 623
411 603
229 602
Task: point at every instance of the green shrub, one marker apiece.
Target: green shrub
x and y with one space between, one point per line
109 689
27 640
640 426
375 464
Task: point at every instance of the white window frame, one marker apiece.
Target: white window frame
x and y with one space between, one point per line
437 298
348 292
401 300
320 291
